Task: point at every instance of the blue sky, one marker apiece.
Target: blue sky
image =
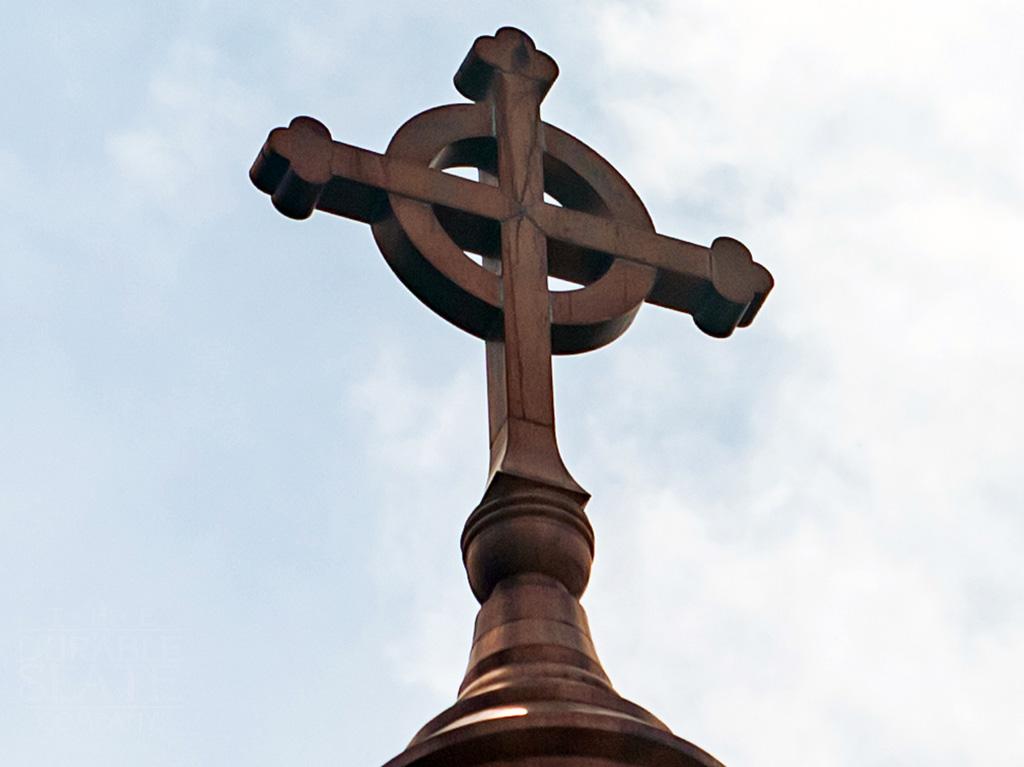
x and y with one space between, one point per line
236 454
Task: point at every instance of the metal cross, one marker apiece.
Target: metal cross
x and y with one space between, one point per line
600 236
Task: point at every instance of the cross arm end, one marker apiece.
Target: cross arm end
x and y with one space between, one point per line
294 165
737 289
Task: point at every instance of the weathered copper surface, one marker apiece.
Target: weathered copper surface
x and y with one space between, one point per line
535 692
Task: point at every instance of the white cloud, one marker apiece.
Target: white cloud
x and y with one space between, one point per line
183 148
864 600
426 443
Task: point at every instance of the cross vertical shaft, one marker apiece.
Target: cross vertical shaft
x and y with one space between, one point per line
519 379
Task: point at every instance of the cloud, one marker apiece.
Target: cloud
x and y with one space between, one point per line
181 151
428 451
832 583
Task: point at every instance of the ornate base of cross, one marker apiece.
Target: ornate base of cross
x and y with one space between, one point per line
535 694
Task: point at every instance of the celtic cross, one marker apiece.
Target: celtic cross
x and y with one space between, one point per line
600 236
528 546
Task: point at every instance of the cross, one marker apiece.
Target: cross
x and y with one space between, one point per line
599 236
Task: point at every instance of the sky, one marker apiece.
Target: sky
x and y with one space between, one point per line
236 454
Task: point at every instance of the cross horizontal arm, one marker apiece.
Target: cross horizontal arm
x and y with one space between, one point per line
721 286
303 169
